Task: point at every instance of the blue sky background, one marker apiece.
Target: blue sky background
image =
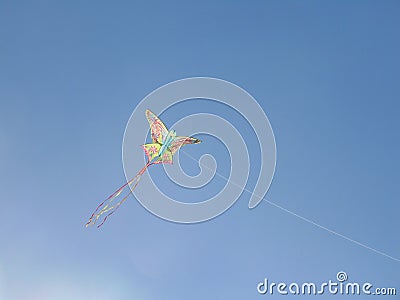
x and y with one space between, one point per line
71 72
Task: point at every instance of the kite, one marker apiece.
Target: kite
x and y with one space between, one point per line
164 145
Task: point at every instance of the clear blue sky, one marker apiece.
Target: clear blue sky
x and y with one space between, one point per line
71 72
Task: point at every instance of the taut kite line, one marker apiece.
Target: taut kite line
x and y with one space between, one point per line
160 151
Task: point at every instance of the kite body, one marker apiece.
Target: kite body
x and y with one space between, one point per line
164 145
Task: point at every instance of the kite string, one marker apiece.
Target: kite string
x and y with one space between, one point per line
295 214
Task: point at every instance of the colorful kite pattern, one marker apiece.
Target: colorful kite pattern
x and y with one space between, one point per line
164 145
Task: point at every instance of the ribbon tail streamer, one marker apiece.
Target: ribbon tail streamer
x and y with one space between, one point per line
108 206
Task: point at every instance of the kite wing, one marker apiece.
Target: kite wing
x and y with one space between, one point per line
151 150
166 157
180 141
157 127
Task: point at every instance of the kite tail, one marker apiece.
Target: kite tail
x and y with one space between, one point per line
106 205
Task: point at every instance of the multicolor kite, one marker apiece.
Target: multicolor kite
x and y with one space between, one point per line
160 151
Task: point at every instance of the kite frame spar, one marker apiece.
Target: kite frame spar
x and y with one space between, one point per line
164 145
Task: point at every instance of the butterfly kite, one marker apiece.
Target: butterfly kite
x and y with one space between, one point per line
164 145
